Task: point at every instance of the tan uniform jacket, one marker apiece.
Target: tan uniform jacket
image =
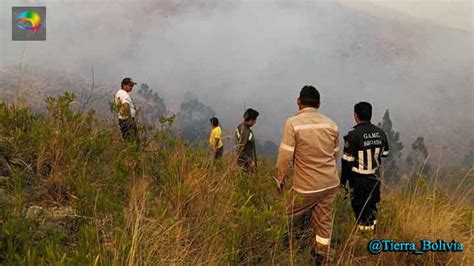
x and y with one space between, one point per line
310 144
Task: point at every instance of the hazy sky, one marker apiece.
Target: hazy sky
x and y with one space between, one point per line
415 58
456 14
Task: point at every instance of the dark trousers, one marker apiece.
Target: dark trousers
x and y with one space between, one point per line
129 129
365 194
219 153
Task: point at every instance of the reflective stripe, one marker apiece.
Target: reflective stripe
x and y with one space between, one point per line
364 172
283 146
376 155
361 161
312 126
313 191
322 240
369 159
238 134
366 228
348 158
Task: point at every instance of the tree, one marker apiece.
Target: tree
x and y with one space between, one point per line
469 159
193 119
267 149
416 160
154 106
391 169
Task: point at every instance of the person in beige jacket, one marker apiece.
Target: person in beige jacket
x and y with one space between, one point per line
310 144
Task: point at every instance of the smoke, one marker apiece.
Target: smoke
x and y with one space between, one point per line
238 54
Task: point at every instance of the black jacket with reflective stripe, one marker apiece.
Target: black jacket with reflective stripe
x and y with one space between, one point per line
364 146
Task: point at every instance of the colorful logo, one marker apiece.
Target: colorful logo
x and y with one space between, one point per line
29 21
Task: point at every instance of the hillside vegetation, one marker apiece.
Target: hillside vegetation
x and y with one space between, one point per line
72 192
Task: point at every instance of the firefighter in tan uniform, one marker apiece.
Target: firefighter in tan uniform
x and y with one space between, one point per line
310 144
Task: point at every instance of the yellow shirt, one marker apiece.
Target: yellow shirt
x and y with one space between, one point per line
216 134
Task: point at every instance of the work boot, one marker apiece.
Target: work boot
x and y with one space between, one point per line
367 226
364 228
365 231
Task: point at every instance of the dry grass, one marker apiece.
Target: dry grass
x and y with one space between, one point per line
165 203
189 231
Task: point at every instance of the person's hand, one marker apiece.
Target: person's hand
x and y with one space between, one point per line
252 166
280 185
344 188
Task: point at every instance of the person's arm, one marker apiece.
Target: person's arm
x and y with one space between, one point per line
216 143
125 109
386 147
336 144
286 152
348 158
244 138
211 140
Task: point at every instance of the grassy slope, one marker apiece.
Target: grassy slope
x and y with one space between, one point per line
165 203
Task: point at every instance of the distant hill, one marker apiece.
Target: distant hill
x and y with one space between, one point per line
262 56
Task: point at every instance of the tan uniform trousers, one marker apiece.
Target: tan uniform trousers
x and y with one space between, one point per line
318 207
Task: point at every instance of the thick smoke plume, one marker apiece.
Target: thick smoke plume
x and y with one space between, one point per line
237 54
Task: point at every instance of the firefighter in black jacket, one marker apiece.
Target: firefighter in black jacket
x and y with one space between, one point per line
364 146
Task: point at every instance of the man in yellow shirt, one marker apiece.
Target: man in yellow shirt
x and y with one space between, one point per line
215 139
